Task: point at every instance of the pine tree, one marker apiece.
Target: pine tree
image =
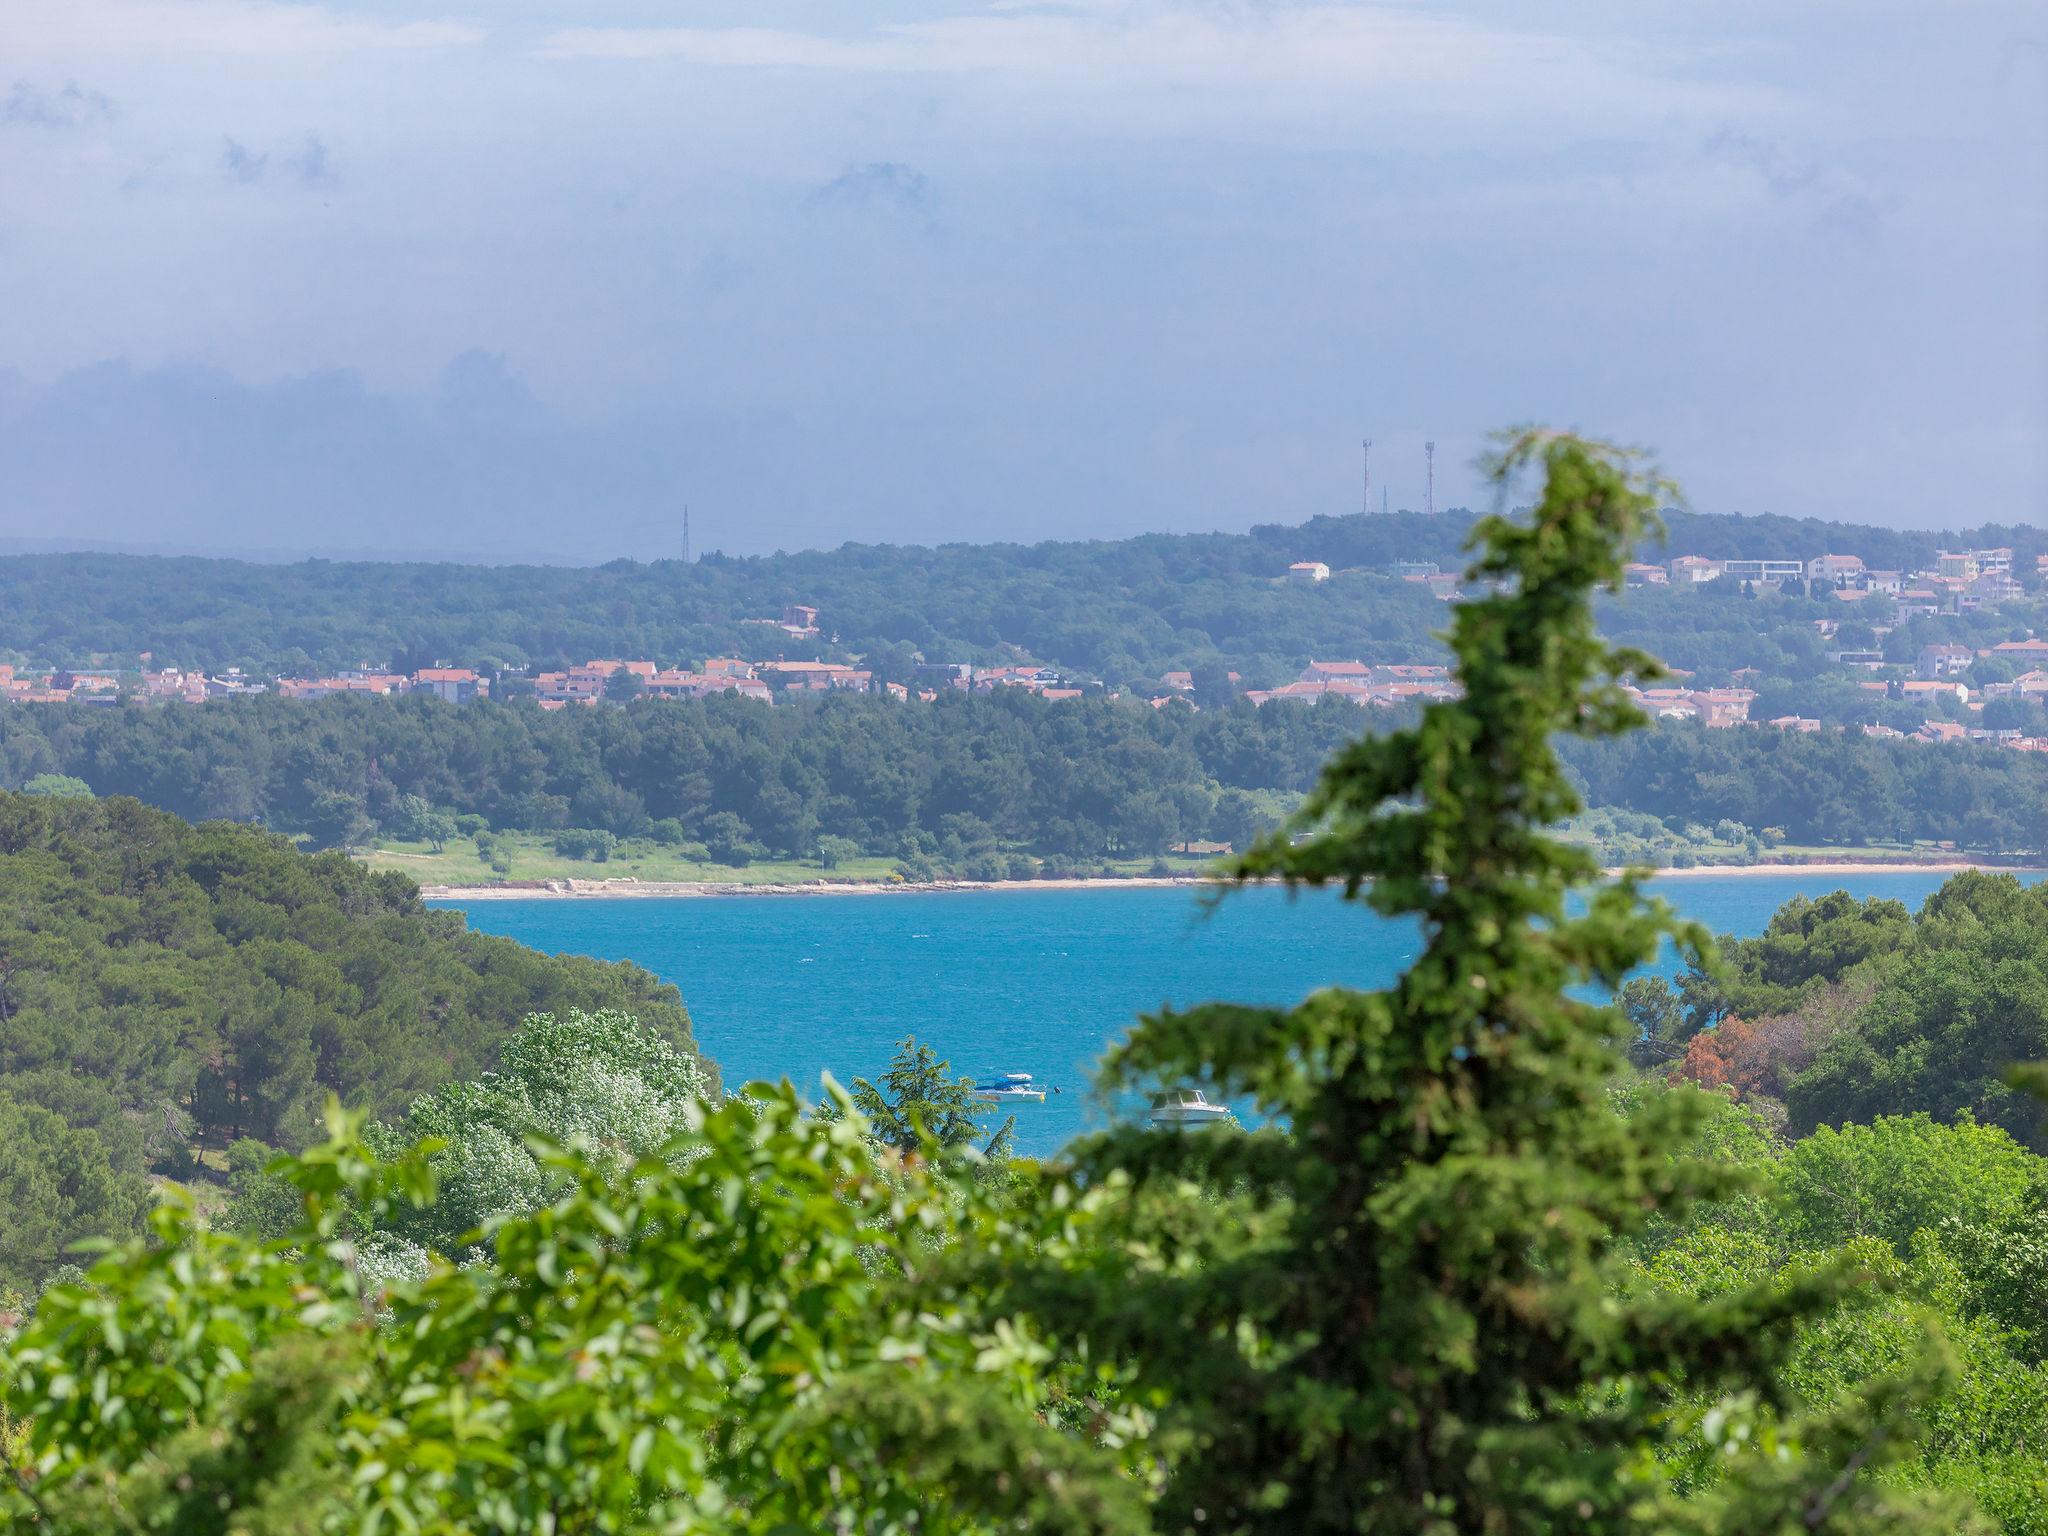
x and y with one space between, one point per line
920 1097
1404 1315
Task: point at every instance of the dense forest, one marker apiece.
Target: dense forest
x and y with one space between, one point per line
1831 787
957 781
1123 611
1073 777
1842 1010
166 988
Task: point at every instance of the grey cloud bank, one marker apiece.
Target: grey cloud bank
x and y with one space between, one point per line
914 271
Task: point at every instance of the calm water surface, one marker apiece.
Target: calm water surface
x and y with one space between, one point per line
1023 980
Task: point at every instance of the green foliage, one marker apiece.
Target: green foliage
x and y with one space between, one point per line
919 1099
58 784
1963 996
711 1340
1127 609
1807 946
1466 1278
1828 787
1656 1023
213 981
59 1184
1942 1225
1900 1176
1081 778
729 840
834 851
598 1082
594 844
1413 1327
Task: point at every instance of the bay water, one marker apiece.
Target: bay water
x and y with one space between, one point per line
1022 979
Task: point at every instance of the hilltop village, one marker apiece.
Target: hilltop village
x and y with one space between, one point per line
1944 677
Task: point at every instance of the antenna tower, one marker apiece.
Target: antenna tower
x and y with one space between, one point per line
1366 500
686 533
1429 479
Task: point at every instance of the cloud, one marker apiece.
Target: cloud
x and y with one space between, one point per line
152 28
1308 59
70 106
1836 201
308 165
878 184
241 163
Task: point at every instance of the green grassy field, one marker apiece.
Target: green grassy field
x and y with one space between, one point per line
532 857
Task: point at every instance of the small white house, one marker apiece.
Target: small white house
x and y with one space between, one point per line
1307 573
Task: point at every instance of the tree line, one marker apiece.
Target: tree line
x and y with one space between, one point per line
1833 787
954 781
1125 610
1068 777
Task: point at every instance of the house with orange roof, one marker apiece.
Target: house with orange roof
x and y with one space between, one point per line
453 685
576 686
1724 706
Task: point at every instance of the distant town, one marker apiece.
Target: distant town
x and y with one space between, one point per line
1962 581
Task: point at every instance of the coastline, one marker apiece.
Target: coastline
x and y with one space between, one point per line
628 890
548 890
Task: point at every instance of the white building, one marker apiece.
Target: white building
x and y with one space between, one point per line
1308 572
1764 570
1834 568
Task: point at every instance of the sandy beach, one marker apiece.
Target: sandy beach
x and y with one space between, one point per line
1847 867
545 890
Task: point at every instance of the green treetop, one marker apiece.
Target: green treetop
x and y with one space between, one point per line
1408 1321
918 1098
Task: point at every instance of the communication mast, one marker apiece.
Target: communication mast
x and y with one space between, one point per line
1366 501
1429 479
686 533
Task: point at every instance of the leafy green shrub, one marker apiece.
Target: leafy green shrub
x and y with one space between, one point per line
62 785
593 843
728 840
834 851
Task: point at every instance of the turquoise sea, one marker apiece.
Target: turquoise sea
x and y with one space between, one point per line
1022 980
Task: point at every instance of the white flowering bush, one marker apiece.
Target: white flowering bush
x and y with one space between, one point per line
600 1083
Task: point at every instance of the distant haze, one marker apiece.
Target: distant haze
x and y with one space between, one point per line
523 279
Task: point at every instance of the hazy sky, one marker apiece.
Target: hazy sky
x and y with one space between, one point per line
528 276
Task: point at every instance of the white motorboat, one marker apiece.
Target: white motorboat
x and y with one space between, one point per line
1009 1088
1180 1109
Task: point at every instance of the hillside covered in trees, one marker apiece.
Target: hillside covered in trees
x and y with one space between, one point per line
961 780
166 989
1843 1010
1123 610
